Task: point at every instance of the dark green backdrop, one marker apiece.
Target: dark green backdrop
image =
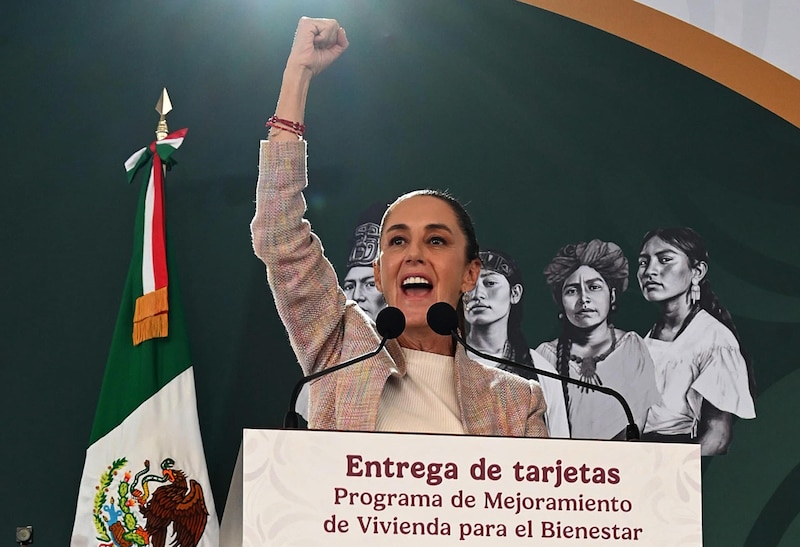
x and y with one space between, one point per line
550 130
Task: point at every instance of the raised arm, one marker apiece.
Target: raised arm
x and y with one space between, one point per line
317 44
303 282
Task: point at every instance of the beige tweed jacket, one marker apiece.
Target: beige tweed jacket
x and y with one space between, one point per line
325 329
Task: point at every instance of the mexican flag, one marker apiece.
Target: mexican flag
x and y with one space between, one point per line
145 480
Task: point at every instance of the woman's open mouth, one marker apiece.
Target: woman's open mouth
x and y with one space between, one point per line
416 286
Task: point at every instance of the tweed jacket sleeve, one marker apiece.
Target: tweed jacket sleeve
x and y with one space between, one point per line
324 328
304 285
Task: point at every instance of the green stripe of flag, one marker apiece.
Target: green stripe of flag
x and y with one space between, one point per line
134 373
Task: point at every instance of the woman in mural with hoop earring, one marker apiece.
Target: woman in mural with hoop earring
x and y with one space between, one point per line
702 374
586 279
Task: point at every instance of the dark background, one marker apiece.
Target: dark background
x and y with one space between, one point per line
551 131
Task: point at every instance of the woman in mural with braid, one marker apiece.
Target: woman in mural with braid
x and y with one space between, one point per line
702 374
586 279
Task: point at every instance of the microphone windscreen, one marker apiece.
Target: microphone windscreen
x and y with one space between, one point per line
390 322
442 318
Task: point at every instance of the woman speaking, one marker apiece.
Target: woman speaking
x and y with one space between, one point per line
428 253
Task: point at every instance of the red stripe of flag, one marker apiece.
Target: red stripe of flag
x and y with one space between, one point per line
158 241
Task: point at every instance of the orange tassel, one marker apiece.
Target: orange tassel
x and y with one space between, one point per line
150 317
149 328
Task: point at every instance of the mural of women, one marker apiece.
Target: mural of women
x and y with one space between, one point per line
702 375
493 313
585 279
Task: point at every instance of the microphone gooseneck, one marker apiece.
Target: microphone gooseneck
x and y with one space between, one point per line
390 324
442 319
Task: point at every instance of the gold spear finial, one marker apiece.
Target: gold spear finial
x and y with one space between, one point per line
163 107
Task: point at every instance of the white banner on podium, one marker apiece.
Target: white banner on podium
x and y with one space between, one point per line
313 488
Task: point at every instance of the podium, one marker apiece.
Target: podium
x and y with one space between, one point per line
331 488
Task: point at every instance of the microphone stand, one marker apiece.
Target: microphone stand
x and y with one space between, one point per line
631 430
442 320
292 418
389 323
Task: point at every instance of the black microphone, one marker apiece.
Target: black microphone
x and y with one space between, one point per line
390 323
443 320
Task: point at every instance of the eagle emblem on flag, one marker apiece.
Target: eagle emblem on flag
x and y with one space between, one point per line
142 509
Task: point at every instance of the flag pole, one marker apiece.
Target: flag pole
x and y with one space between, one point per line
151 314
163 107
147 409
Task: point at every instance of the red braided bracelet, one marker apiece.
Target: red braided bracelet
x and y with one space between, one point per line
294 127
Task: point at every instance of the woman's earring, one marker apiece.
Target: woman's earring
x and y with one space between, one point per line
614 307
561 316
695 293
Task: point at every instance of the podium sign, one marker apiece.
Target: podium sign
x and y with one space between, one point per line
310 488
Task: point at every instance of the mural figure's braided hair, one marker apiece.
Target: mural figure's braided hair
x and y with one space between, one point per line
563 350
603 256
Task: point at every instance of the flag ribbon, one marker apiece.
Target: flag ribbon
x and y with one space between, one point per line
150 318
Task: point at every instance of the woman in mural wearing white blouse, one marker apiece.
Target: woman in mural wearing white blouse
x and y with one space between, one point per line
586 279
702 374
